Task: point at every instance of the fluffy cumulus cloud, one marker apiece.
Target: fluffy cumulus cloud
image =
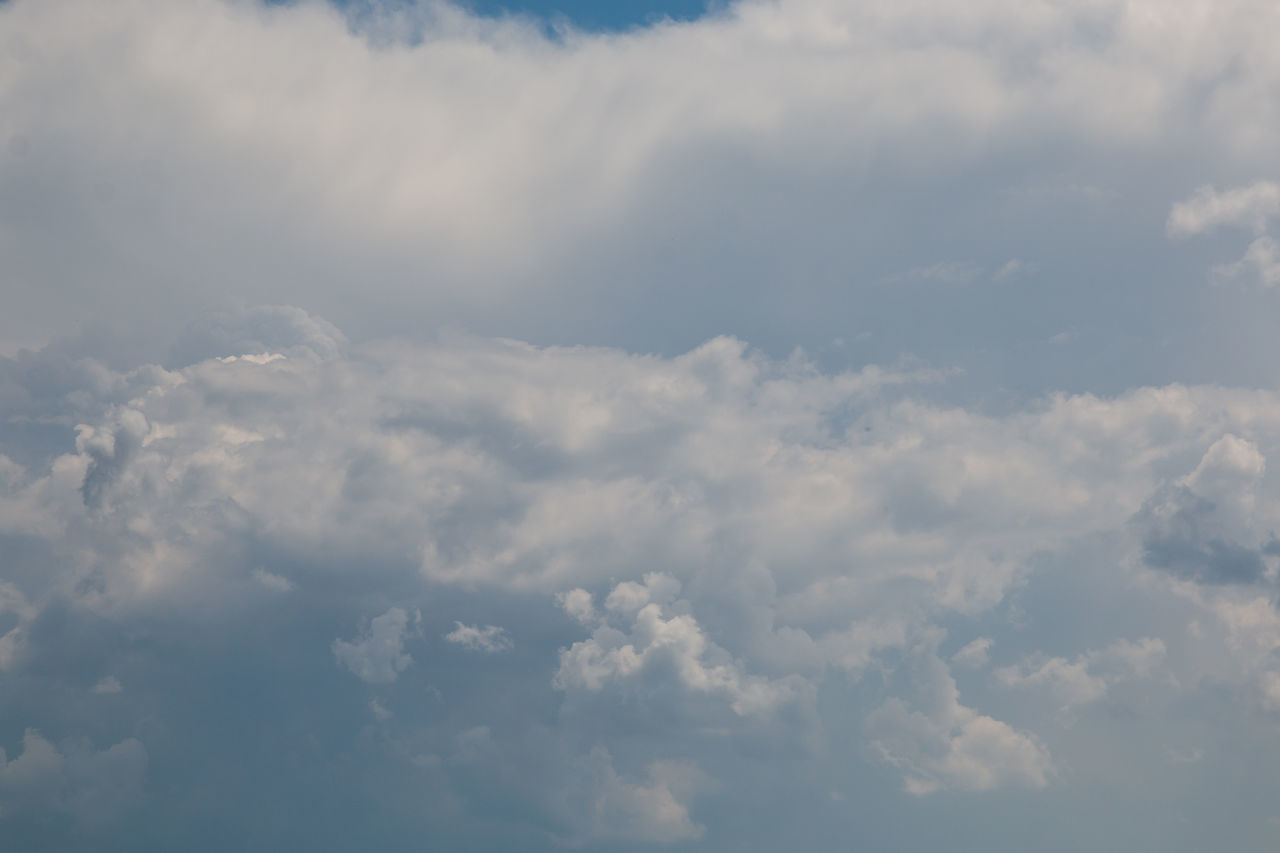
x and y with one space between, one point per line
943 744
666 650
378 655
817 533
1085 679
1250 207
93 787
818 424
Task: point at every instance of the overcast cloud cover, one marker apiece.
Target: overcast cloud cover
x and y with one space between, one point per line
819 425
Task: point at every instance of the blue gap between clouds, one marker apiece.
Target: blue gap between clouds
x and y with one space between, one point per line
589 15
596 14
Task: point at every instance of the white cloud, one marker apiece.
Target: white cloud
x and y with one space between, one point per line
490 639
1252 207
731 533
578 603
975 654
947 746
1086 678
377 655
459 134
660 646
1260 263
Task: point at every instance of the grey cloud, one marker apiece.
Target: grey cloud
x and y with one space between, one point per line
258 330
231 192
92 786
720 558
1087 678
1181 534
740 562
941 744
580 799
377 655
490 639
109 449
1252 206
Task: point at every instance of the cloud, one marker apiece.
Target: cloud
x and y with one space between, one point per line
92 786
108 685
1191 527
716 557
583 797
663 647
975 654
947 746
377 656
653 809
585 389
275 583
1086 678
12 642
1261 262
238 183
578 603
1251 207
490 639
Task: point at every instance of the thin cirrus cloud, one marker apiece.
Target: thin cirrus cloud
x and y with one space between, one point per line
813 425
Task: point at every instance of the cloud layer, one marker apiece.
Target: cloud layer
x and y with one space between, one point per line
686 556
820 425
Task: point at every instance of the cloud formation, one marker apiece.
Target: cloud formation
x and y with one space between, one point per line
377 655
772 429
490 639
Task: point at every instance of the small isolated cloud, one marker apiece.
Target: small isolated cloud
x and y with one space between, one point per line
273 582
1251 207
377 656
107 685
948 272
578 603
1011 268
490 639
974 654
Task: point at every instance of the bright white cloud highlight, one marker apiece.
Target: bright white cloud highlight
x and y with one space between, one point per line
659 646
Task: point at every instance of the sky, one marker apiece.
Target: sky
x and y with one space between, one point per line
774 424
